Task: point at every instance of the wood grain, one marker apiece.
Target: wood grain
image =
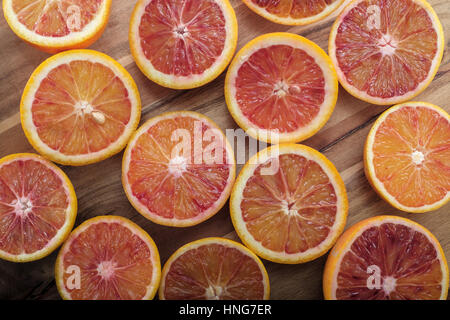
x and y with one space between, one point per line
99 188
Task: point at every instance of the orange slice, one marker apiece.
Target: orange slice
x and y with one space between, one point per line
407 157
281 87
293 12
289 204
386 258
178 169
54 26
108 258
183 44
38 207
386 52
80 107
214 269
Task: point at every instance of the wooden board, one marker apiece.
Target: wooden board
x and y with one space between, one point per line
99 188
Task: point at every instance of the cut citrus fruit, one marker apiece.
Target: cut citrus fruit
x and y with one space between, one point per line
281 87
214 269
54 26
108 258
386 257
407 156
38 207
183 44
386 52
293 12
289 204
80 107
178 169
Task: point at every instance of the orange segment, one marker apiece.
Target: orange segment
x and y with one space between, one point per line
183 44
83 110
386 52
386 258
54 26
289 204
293 12
114 259
37 207
214 269
281 87
178 184
407 156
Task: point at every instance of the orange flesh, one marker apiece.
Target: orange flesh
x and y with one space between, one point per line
55 18
404 132
33 204
401 253
62 122
393 59
182 37
115 264
171 192
214 271
295 9
293 210
280 88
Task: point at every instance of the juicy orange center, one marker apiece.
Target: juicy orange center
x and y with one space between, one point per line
280 88
81 107
411 156
290 211
55 18
182 38
386 49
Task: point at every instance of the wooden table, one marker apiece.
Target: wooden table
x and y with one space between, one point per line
99 187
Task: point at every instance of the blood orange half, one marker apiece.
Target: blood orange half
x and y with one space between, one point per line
289 204
281 87
214 269
293 12
80 107
54 26
178 169
108 258
38 207
407 156
183 44
386 258
386 52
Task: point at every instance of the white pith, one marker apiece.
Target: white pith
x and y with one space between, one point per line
106 269
389 284
177 166
417 157
387 45
22 206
